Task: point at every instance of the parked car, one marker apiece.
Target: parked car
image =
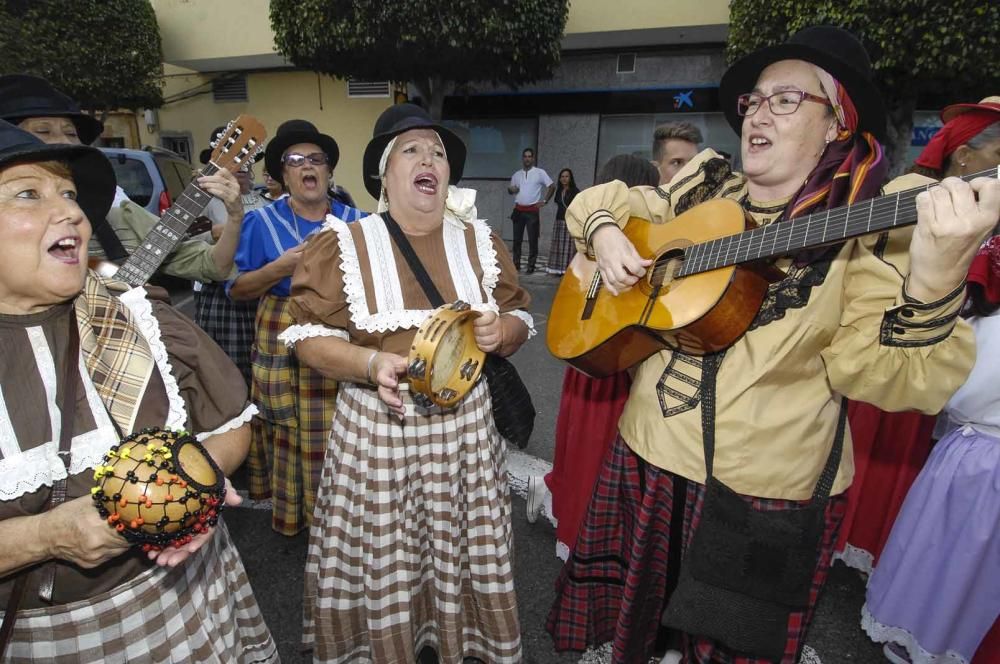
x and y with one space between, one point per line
152 177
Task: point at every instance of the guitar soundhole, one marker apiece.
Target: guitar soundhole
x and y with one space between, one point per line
665 269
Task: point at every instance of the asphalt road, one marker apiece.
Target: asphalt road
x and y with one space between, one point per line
275 563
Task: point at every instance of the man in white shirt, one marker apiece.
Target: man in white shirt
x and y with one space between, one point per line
532 188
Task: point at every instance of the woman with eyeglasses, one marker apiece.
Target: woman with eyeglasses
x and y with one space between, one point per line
296 404
733 559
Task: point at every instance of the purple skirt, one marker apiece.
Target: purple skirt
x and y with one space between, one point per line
936 588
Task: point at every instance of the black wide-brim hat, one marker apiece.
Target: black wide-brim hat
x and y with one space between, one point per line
92 172
833 49
293 132
394 121
23 96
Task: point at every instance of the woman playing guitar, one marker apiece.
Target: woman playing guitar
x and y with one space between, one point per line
873 318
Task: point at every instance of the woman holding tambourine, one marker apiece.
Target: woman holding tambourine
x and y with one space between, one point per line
412 522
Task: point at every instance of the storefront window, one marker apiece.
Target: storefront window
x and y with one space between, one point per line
494 144
633 134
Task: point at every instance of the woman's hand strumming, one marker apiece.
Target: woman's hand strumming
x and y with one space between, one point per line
620 264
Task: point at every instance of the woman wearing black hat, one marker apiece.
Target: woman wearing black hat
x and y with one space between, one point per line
34 105
84 358
734 560
412 526
295 402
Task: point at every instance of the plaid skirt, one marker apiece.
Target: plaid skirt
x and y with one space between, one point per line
230 323
411 543
288 437
617 581
200 611
561 248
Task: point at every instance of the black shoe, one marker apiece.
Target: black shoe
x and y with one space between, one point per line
530 270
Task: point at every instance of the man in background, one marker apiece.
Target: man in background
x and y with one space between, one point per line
532 188
674 144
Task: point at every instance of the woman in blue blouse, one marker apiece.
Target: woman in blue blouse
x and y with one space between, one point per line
295 403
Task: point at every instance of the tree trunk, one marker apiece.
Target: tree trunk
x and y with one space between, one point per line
899 133
432 92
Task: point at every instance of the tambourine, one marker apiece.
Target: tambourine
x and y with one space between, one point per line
159 487
445 362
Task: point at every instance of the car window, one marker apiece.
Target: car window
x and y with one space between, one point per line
133 177
175 183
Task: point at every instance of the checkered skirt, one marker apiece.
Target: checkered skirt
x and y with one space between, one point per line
288 439
200 611
411 541
230 323
614 586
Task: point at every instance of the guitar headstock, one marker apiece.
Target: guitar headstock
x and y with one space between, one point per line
237 146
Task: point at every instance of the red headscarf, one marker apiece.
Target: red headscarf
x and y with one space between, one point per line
962 123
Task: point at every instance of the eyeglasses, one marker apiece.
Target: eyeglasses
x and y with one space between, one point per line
785 102
294 160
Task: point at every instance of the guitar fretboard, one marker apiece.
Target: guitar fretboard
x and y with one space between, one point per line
814 230
167 234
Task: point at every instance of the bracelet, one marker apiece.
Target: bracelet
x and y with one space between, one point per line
368 370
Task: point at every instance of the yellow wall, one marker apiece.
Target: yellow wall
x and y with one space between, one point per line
194 29
274 98
598 16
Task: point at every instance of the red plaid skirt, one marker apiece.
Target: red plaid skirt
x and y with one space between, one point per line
615 585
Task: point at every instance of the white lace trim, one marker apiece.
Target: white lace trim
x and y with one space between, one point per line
391 316
234 423
884 633
41 466
142 309
296 333
528 319
856 558
487 259
354 287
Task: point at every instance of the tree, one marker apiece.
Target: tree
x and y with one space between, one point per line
106 54
434 44
922 50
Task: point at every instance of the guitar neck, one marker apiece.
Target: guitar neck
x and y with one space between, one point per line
169 232
815 230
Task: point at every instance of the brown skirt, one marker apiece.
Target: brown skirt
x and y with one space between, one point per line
200 611
411 541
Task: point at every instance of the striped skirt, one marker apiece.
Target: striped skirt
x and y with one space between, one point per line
561 248
411 541
203 610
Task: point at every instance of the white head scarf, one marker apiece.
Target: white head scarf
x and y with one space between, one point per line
459 206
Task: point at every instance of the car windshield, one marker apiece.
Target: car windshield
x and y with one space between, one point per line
176 174
133 177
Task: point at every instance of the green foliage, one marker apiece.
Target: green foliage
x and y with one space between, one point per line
503 41
949 49
106 54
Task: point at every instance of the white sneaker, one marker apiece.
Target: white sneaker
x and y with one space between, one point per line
671 657
535 498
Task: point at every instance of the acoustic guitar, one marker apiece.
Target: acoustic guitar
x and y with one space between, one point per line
709 276
233 150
